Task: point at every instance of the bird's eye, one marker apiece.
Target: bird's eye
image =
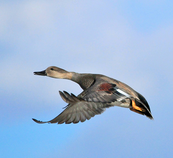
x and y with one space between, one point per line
52 68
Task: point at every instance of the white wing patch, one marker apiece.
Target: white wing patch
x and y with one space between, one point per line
123 93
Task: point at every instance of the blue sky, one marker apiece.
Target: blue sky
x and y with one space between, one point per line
127 40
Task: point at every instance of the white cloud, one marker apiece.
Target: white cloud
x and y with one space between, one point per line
81 36
57 33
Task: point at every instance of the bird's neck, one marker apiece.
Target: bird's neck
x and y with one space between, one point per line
84 80
76 77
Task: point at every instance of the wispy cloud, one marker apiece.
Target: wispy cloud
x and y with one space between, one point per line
39 33
84 36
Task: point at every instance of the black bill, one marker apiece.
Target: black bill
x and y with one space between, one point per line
42 73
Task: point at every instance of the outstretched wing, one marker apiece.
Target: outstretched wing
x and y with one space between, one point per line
105 93
77 110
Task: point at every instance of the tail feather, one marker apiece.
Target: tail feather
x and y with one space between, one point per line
140 108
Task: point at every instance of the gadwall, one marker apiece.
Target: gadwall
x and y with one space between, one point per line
99 92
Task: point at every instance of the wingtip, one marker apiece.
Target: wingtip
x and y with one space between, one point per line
37 121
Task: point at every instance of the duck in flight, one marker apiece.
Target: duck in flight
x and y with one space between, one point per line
99 92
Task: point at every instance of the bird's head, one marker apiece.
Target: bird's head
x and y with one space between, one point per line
55 72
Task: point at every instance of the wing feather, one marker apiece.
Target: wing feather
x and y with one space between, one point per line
77 110
105 93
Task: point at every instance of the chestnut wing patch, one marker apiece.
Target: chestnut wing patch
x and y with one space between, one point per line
107 87
105 93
